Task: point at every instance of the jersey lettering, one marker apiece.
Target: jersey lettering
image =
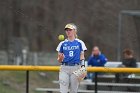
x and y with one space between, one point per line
70 47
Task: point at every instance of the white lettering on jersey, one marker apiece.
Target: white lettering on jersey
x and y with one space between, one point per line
70 47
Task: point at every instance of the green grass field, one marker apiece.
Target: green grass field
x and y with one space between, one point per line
15 81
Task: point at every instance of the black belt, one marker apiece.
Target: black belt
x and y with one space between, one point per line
70 64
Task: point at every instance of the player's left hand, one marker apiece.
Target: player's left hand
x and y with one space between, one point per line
80 73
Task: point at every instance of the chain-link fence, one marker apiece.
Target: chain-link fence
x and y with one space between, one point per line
28 58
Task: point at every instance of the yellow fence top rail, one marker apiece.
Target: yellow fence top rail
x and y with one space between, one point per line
56 68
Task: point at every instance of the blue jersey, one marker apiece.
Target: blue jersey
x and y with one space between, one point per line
99 60
71 50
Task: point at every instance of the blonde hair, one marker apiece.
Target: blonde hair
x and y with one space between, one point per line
76 36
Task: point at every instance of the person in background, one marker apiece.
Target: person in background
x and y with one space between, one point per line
128 60
96 59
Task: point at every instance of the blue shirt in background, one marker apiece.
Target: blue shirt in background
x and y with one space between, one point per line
98 60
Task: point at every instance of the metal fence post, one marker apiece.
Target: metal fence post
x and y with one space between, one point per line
96 81
27 81
119 37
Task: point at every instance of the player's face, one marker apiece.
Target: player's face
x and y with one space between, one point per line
70 32
126 56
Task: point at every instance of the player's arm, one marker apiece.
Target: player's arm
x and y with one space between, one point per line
60 57
82 58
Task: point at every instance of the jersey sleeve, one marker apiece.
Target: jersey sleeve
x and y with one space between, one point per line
59 47
83 46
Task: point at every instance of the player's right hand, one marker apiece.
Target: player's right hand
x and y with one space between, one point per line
60 57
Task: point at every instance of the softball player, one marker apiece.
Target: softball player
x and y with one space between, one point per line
71 57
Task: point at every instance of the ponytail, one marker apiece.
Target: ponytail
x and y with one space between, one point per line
76 36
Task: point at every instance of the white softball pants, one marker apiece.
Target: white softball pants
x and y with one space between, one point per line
67 80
